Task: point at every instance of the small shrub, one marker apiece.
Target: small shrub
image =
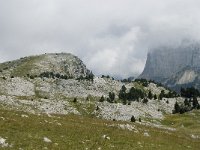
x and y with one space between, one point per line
112 96
145 101
75 100
97 108
5 68
133 119
102 99
31 77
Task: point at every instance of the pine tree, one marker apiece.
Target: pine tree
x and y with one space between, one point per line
155 97
195 102
150 96
102 99
176 108
133 119
122 93
112 96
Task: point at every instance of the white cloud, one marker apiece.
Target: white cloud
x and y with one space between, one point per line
112 37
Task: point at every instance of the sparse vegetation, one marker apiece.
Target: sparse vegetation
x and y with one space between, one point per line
144 82
102 99
190 92
111 97
134 94
64 132
57 97
133 119
53 75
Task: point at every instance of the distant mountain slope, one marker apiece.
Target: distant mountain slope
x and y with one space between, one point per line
174 66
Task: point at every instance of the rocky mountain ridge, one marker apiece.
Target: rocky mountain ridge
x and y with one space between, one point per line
174 66
23 88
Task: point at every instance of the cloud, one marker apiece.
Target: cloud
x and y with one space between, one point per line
112 37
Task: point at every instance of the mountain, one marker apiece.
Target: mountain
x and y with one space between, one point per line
47 100
174 66
49 83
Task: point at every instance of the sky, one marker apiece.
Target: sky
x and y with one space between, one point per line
110 36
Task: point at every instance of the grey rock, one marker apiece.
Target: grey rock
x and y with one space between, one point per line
174 66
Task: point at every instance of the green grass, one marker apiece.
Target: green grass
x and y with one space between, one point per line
81 132
20 67
139 86
85 106
26 65
187 123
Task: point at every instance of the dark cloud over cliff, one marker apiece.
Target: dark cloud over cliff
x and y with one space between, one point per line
111 37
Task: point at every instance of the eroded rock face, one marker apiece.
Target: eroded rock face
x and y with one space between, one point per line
173 66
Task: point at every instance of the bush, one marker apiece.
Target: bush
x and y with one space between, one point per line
102 99
176 108
145 101
135 94
75 100
112 96
162 94
150 96
195 103
31 77
133 119
122 93
97 108
189 92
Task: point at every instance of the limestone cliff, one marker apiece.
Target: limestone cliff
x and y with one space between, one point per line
173 66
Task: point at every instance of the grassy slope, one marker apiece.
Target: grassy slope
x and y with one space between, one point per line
22 66
78 132
188 123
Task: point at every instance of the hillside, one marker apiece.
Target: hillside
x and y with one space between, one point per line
60 63
20 130
51 90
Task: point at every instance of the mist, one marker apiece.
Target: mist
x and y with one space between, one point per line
111 37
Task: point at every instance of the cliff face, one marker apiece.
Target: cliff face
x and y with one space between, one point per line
173 66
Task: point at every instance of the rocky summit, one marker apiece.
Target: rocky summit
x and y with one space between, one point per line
174 66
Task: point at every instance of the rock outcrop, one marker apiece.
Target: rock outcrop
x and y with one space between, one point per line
174 66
